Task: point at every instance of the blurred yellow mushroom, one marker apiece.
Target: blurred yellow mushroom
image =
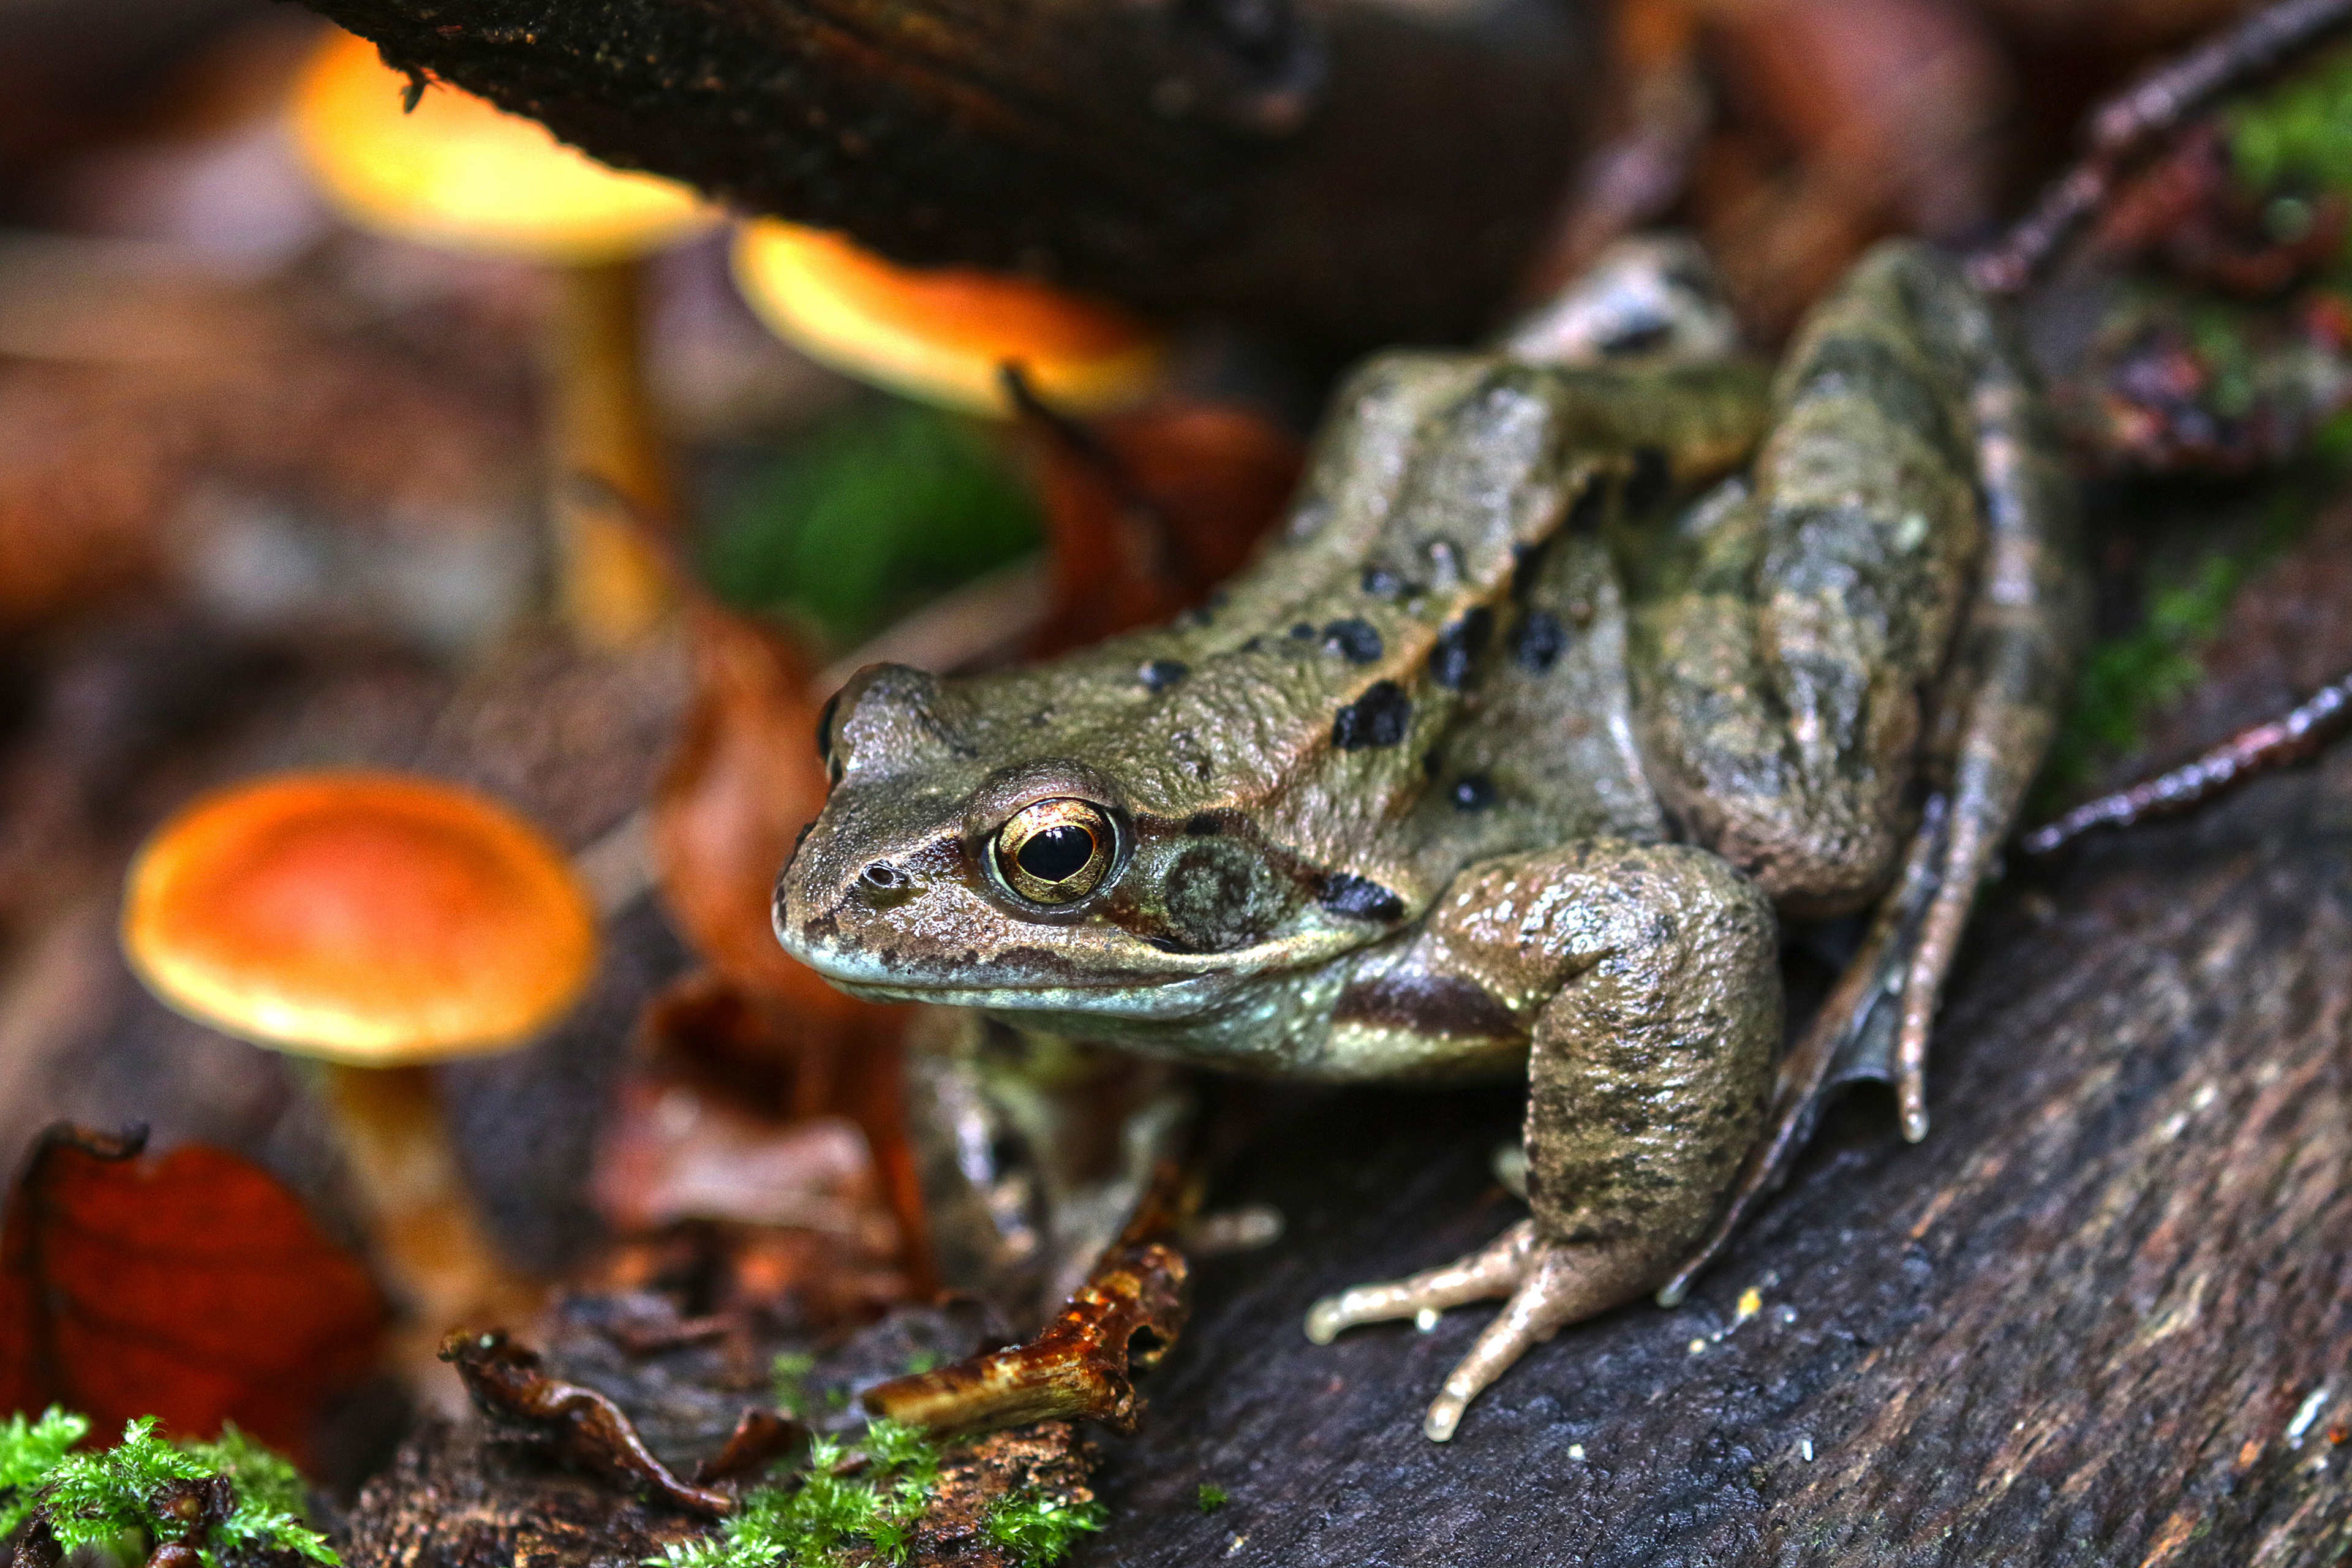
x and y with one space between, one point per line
457 173
943 335
373 923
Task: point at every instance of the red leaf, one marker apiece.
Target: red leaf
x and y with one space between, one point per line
191 1287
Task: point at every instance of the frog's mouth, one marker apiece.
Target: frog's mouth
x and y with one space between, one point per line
1103 973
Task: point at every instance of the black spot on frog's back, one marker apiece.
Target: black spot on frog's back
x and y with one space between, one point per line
1651 481
1458 647
1378 718
1355 639
1537 641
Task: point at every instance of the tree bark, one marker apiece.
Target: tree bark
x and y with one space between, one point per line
1353 174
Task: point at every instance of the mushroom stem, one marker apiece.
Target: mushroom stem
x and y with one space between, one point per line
428 1231
608 482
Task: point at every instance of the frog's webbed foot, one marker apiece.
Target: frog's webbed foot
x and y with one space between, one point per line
1549 1285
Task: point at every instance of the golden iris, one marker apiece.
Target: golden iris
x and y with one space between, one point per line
1056 851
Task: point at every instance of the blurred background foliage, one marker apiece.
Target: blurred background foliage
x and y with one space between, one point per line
866 513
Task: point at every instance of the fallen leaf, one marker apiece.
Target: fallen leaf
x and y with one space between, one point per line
191 1287
748 1111
581 1425
1843 120
742 781
1149 511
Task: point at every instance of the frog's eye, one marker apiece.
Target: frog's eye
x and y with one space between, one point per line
1056 851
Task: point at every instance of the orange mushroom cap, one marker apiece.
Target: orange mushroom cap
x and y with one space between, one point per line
367 918
458 172
942 335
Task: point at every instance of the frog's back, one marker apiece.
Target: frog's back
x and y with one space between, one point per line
1427 664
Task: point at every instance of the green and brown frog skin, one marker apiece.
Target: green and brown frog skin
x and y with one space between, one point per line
1508 754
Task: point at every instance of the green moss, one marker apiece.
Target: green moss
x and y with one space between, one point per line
1211 1496
872 511
2125 679
2298 134
839 1507
111 1496
829 1510
788 1375
271 1498
1036 1531
29 1451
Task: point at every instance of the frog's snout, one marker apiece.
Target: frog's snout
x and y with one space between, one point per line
837 909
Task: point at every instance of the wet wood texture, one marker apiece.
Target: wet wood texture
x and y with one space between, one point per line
1359 176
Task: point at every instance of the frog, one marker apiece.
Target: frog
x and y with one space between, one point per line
1580 666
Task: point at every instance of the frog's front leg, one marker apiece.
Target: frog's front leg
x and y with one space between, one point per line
1646 977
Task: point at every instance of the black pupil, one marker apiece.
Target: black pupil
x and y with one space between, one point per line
1056 853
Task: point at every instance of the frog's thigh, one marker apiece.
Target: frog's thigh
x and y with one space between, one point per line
1650 977
1779 679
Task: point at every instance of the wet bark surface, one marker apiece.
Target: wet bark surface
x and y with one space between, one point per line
1355 176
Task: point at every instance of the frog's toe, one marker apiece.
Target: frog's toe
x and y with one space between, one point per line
1561 1283
1494 1270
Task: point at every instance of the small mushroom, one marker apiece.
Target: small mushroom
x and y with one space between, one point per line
943 335
455 172
371 924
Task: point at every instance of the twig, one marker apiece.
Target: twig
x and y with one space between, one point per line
2127 128
2258 750
1082 1365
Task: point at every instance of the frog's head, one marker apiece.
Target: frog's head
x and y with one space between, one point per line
1038 867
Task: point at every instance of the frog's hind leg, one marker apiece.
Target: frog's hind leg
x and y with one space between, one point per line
2014 659
1652 977
2011 657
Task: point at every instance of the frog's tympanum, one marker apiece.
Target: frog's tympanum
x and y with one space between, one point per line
1575 666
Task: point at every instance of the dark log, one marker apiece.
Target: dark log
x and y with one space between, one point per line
1361 176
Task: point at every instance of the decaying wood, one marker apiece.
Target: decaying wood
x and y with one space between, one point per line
456 1499
518 1486
1353 173
1081 1366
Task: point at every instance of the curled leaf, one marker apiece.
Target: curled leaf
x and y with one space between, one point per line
576 1423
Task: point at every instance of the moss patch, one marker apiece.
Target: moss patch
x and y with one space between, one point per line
138 1493
870 513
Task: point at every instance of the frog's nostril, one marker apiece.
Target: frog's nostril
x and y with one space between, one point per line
883 877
